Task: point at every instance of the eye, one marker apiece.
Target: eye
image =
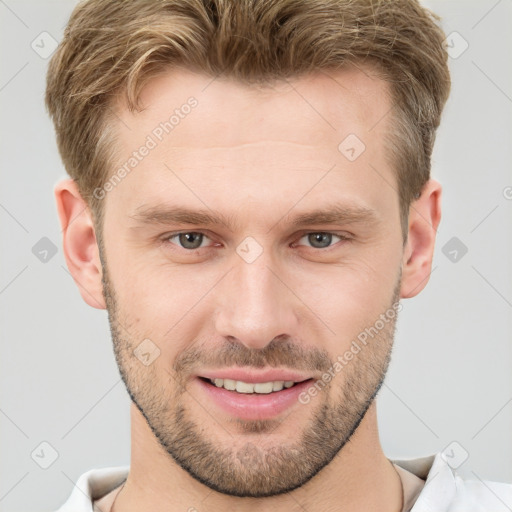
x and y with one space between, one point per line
322 240
192 240
188 240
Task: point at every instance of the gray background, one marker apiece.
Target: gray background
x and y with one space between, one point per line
450 379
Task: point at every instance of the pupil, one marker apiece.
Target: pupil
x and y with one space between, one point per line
316 239
187 240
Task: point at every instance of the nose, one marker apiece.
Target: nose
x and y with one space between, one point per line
257 305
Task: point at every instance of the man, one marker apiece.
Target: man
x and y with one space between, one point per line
250 199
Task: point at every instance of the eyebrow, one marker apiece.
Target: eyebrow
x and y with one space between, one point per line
331 214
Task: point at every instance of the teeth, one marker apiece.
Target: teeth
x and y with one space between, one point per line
229 384
267 387
247 387
278 385
244 387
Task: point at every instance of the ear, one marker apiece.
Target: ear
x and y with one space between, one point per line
79 242
424 218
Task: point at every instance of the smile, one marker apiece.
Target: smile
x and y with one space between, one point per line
257 400
249 387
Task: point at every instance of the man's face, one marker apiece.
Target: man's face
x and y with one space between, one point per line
264 290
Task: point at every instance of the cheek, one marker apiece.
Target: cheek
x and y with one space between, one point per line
161 300
350 297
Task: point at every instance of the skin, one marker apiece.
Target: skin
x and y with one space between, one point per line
261 155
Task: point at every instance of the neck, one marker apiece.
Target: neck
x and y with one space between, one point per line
360 478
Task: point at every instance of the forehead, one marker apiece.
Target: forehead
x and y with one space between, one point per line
352 97
217 133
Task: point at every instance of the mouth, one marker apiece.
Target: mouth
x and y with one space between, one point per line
253 397
264 388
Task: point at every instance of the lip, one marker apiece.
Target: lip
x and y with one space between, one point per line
253 376
253 406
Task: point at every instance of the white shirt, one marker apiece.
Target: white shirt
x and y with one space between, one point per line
430 485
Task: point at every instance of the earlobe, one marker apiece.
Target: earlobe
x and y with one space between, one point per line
424 218
79 242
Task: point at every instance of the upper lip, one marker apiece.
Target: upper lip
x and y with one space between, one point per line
253 376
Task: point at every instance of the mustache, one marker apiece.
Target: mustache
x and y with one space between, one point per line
278 353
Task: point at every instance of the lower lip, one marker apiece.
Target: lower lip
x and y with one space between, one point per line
254 406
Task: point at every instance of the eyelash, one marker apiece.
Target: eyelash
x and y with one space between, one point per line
342 236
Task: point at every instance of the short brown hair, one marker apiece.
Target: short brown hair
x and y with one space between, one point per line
113 47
